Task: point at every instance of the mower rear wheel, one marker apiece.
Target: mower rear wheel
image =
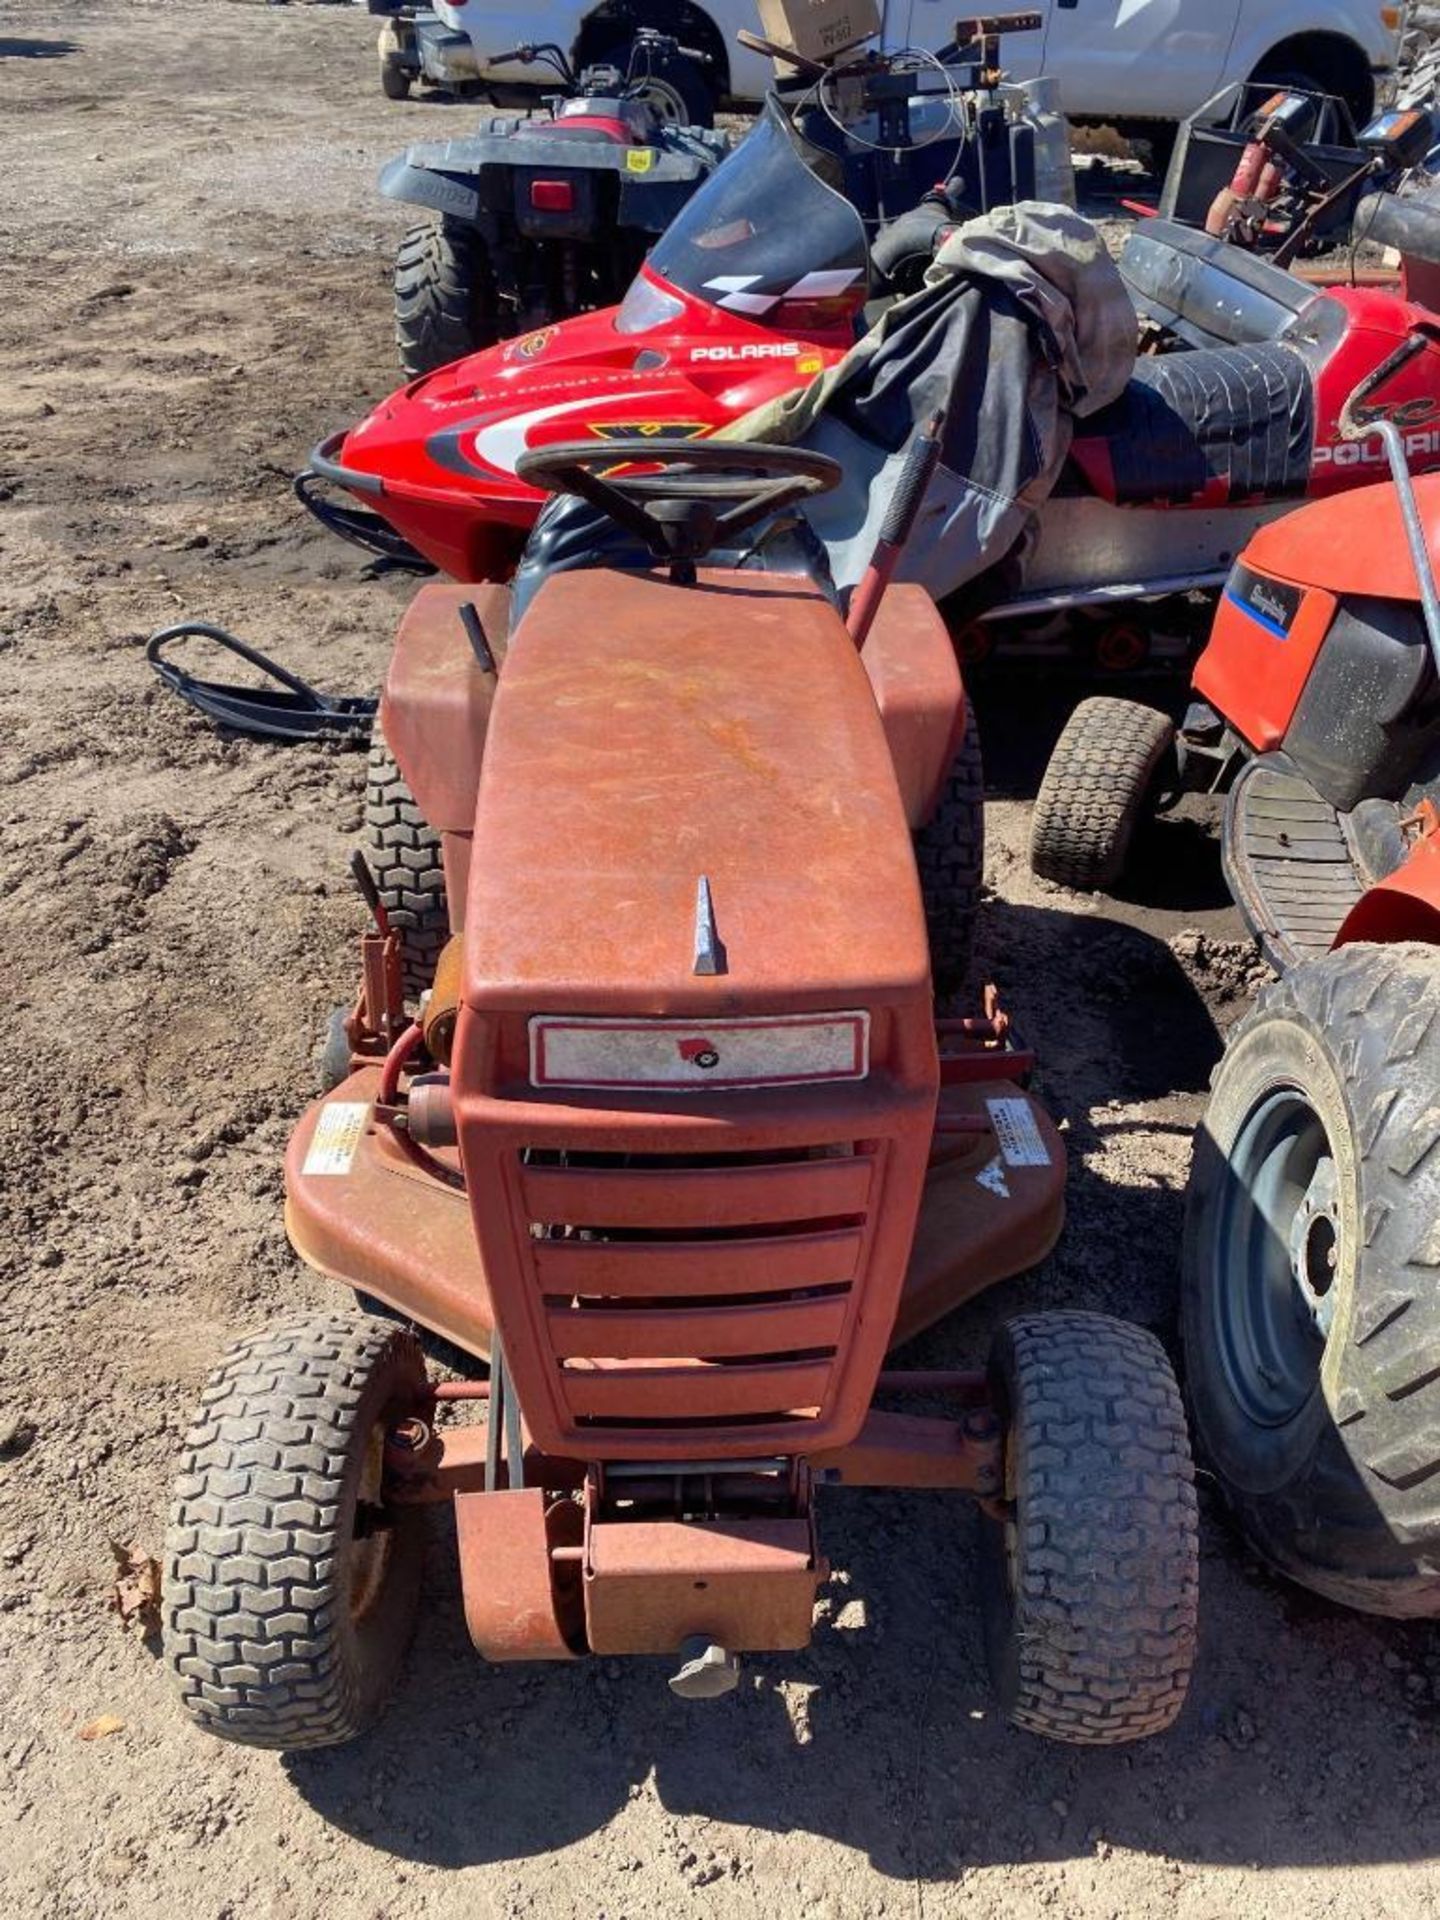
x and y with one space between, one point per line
405 858
445 301
1091 1583
1098 789
950 854
290 1588
1311 1278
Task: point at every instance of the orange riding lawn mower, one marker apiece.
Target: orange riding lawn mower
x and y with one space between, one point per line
1311 1263
674 1140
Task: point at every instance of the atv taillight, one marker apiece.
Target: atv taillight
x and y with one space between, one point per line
552 196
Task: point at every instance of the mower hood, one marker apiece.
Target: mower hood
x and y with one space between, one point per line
646 737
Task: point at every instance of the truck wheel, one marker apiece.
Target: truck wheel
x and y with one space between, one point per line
290 1590
950 854
676 88
1091 1583
405 858
1098 789
445 302
1311 1278
394 74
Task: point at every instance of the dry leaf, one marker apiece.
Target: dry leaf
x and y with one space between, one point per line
97 1729
135 1595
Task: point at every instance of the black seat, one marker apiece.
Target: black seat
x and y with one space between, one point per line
1211 427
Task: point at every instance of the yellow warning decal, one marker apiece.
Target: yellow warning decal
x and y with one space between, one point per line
640 160
336 1138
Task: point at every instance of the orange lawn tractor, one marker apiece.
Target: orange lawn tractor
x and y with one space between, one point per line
1311 1272
676 1143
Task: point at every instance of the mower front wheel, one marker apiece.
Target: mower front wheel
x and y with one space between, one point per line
290 1588
1097 792
406 859
950 855
1309 1296
446 306
1091 1581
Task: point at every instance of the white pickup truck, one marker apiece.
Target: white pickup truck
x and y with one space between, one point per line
1126 62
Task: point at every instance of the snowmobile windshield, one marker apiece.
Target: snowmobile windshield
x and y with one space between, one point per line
770 230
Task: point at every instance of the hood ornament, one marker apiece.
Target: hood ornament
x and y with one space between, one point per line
709 948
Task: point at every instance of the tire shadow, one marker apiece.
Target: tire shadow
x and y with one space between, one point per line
14 48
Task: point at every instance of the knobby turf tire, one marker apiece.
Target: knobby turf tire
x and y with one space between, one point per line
445 301
1096 792
405 858
1344 1496
1091 1593
259 1629
950 855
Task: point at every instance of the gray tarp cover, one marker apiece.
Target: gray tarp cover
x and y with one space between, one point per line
1022 325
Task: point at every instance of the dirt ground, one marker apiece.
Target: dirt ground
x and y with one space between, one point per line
194 288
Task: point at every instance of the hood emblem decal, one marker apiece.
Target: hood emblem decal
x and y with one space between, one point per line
709 948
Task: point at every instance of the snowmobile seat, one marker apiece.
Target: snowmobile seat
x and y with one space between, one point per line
1209 428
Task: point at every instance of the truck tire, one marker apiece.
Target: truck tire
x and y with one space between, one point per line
445 301
394 74
950 855
1342 74
1098 789
1091 1584
678 89
290 1592
1311 1278
409 869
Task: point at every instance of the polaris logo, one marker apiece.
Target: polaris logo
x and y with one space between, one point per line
752 350
1371 453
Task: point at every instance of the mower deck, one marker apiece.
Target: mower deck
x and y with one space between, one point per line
359 1211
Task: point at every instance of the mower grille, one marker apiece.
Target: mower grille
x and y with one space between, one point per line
700 1293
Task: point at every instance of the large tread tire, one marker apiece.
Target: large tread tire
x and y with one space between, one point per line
950 856
445 302
1091 1591
406 860
1344 1495
680 89
395 79
1097 791
280 1629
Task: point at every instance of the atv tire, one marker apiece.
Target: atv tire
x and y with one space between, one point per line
1098 789
445 300
404 855
950 855
1091 1585
290 1593
1311 1278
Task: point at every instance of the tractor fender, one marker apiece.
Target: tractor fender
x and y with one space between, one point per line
1403 906
421 186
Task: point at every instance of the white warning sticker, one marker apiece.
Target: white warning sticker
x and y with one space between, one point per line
993 1180
1020 1139
337 1137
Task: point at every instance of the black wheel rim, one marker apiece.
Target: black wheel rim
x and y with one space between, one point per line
664 101
1276 1252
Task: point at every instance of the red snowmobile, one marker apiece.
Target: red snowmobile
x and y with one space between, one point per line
762 284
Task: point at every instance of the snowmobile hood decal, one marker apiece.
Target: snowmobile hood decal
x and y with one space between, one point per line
501 438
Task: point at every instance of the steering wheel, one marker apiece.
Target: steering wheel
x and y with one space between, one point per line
708 493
